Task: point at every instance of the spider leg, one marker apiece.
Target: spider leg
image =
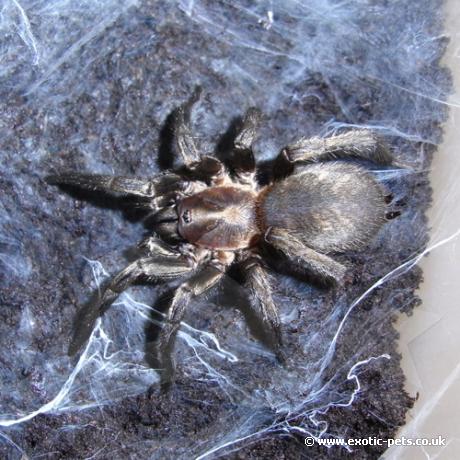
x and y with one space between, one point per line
208 170
203 168
319 264
243 162
183 139
163 348
148 268
261 303
149 189
103 183
248 131
358 143
154 245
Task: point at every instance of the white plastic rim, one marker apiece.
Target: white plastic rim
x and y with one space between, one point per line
430 338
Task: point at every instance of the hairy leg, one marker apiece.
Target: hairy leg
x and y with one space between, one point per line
204 168
155 246
163 348
149 268
153 190
320 265
208 170
243 161
105 183
261 302
359 143
183 138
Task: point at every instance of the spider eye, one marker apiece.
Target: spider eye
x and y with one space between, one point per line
186 217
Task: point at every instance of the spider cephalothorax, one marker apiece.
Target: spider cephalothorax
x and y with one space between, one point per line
206 218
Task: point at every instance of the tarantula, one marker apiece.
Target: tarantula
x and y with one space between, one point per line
207 216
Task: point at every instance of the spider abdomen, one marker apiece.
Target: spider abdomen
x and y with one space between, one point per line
333 206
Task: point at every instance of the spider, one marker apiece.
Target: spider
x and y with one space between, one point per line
207 217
